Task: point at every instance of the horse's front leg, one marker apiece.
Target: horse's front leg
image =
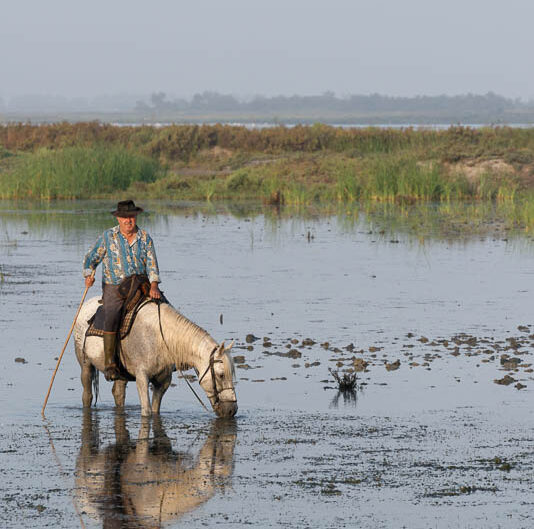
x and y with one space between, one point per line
119 392
160 386
141 380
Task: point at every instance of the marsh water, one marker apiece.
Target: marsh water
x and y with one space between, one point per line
432 313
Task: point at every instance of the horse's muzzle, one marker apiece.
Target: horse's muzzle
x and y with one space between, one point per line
225 409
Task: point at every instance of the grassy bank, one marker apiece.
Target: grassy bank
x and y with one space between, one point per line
327 177
299 165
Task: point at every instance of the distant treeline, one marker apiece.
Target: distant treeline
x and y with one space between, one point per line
374 108
211 106
374 103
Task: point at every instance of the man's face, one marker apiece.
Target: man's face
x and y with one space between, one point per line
127 224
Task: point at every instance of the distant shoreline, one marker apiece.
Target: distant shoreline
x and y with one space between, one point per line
257 123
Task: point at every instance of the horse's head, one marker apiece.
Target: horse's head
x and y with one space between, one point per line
217 381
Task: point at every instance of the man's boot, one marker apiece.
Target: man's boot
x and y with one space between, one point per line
111 370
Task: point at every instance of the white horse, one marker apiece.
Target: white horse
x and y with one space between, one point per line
151 353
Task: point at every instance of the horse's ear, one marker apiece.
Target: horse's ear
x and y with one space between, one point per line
220 350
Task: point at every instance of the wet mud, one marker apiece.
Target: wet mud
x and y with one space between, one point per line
436 431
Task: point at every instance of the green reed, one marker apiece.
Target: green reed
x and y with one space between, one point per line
392 178
76 172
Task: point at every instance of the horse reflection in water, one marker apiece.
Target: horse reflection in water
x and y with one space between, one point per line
145 483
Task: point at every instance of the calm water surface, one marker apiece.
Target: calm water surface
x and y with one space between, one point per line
434 443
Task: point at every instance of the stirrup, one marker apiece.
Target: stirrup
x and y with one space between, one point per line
112 373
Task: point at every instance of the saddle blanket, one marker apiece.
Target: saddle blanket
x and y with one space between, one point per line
130 312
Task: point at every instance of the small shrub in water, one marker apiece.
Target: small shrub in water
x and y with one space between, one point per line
346 381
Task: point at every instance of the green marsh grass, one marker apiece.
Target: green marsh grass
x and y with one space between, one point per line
491 187
76 172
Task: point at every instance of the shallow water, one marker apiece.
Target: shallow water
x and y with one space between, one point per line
437 444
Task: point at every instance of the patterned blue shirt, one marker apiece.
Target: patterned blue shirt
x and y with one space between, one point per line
120 258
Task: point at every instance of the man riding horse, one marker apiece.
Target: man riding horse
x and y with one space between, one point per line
125 250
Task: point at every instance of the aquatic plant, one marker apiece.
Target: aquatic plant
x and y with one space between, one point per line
346 381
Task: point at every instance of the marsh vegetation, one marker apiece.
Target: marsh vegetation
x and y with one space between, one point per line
301 165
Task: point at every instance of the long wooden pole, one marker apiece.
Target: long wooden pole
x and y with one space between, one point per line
65 345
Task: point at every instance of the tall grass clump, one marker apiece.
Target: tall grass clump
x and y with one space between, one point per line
348 184
519 212
392 178
76 172
495 187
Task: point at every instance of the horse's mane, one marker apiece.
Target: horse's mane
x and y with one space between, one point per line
183 342
183 339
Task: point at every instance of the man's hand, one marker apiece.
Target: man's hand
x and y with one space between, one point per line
89 281
155 292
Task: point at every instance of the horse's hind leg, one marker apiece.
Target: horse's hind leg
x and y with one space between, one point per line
87 383
119 392
141 381
159 388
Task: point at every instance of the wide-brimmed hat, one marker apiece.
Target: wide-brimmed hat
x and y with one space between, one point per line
126 208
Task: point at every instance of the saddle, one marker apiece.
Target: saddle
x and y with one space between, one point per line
134 290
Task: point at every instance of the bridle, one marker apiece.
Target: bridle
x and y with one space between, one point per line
211 368
212 361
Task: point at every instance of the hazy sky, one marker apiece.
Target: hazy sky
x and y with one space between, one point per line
246 47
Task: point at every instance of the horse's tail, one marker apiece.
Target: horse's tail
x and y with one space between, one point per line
95 381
